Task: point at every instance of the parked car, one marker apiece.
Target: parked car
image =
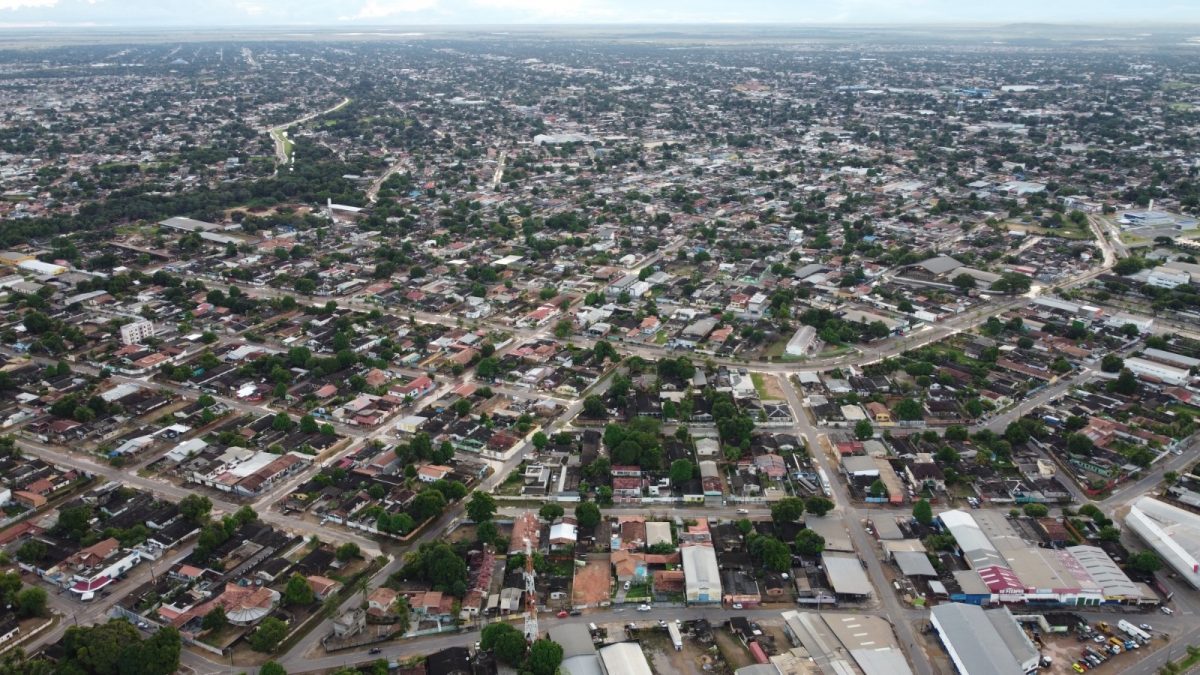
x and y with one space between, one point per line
1166 610
374 650
643 608
1145 627
743 511
575 612
626 585
737 605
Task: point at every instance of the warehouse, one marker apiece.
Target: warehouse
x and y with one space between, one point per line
1012 569
1158 371
579 654
846 575
983 643
625 658
702 577
1173 533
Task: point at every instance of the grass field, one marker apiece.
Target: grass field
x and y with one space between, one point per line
1073 233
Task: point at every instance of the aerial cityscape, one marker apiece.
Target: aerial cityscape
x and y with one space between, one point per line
599 349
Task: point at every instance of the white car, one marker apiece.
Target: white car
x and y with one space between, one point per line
643 608
1145 626
626 585
737 605
1166 610
743 510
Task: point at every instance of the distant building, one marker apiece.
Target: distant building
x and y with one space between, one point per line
136 332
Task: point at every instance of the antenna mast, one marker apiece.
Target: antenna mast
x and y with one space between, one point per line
531 615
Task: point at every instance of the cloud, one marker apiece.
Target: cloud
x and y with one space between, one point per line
378 9
25 4
551 9
251 8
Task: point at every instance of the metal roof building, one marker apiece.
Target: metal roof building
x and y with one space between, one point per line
702 576
845 574
1113 582
807 629
983 643
976 547
914 564
579 654
625 658
1172 532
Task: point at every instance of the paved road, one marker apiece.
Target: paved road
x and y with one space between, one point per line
899 616
276 131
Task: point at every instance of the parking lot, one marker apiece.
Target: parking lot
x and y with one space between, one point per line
1065 649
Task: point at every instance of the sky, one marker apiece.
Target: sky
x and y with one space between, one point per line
334 13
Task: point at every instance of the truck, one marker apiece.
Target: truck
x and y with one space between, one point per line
1133 630
825 486
676 638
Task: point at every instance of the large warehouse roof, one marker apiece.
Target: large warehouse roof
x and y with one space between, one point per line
845 574
700 568
1172 532
975 545
625 658
1101 568
973 642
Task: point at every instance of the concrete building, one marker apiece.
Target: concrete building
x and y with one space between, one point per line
983 643
802 342
136 332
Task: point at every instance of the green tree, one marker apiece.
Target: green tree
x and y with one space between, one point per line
482 507
878 489
308 424
923 512
1036 510
540 440
594 408
487 532
31 601
1079 444
863 429
1112 363
32 551
215 620
1110 534
271 668
787 510
588 515
681 472
1146 562
817 505
1125 384
298 592
550 512
506 642
427 504
964 282
195 508
545 657
348 551
909 410
771 553
809 543
282 422
269 634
